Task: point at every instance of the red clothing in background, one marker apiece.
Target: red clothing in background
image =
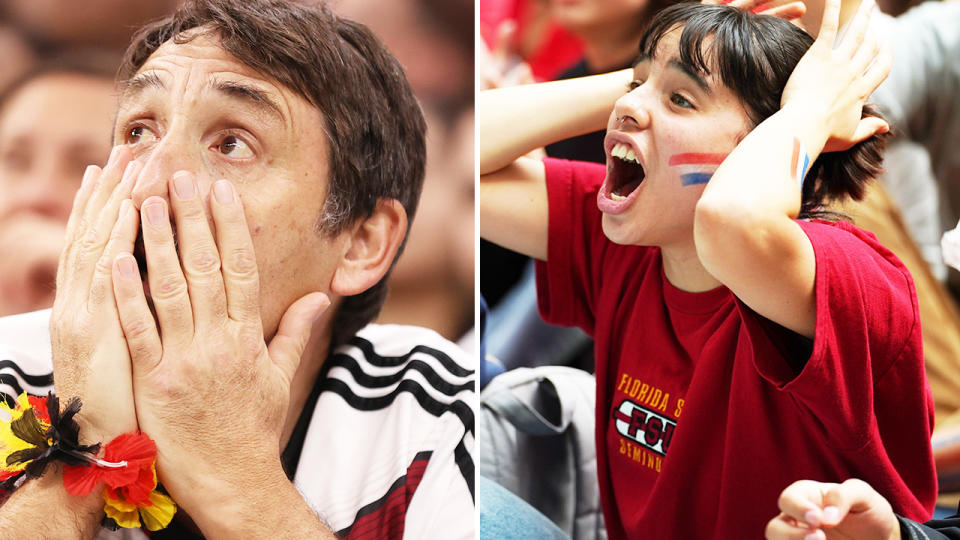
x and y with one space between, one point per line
557 50
706 411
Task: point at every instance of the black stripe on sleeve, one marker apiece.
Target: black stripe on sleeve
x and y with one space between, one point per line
435 379
391 361
33 380
429 404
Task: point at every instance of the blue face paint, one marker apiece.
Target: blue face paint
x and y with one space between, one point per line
692 179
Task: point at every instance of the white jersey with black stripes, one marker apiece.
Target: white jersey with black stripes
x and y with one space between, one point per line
386 448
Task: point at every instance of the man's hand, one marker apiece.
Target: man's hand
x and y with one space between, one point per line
818 511
208 389
90 358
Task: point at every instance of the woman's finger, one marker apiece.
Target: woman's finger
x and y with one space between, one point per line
852 41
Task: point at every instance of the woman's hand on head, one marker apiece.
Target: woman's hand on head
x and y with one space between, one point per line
836 76
790 10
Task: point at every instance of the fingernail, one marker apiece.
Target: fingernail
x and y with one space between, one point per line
156 214
321 306
223 192
183 185
113 154
126 266
812 536
831 514
89 173
812 517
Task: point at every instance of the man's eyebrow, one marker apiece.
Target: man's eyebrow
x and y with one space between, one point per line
251 94
691 72
140 83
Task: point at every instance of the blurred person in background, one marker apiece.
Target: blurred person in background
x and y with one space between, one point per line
18 56
432 284
59 24
54 120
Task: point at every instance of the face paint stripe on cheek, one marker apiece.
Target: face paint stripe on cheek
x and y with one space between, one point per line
692 179
694 164
696 159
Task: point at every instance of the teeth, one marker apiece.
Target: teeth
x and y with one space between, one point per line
624 152
616 197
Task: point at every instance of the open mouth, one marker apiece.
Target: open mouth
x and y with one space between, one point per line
625 174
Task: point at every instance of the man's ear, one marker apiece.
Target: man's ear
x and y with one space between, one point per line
371 247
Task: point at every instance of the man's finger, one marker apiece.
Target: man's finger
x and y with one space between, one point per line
79 206
241 280
81 197
288 344
122 238
137 322
114 185
100 289
198 253
168 288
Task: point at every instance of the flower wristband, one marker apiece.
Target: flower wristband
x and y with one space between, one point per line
37 433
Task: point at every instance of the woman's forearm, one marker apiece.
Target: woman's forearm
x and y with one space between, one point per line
513 121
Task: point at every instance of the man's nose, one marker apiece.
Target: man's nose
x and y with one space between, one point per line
160 162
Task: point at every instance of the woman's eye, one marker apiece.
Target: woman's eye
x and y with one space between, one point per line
681 101
138 134
234 147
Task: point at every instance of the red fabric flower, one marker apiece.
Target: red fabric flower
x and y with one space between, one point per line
133 482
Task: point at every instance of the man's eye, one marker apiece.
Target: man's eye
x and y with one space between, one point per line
138 134
234 147
681 101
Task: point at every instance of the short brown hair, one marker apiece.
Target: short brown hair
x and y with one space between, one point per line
374 126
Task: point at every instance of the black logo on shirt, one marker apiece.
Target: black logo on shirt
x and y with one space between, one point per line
644 427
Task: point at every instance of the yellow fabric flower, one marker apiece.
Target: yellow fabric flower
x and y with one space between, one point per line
123 512
10 443
156 515
159 513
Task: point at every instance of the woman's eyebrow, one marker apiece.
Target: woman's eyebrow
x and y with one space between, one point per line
693 73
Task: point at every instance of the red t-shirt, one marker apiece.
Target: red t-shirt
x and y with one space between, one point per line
702 416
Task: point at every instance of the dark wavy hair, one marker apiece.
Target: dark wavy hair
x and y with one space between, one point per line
374 126
754 55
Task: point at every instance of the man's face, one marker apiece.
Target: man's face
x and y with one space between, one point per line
193 107
675 127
